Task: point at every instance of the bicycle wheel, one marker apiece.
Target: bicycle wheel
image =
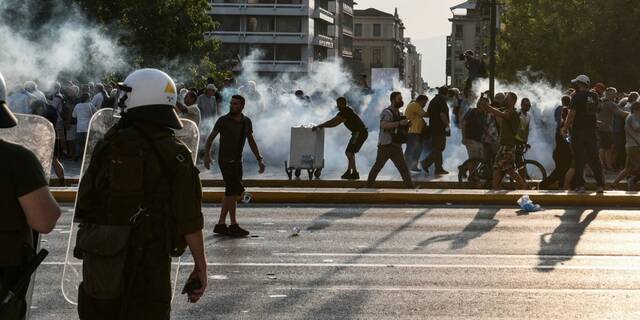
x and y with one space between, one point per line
535 171
473 171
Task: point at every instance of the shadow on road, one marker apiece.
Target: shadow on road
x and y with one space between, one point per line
296 297
327 218
482 223
562 243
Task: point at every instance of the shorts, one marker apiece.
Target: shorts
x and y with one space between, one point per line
232 176
633 159
505 159
605 140
474 149
356 141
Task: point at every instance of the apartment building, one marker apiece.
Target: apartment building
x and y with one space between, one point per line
470 31
290 34
379 41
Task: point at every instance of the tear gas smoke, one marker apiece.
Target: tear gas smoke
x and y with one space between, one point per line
65 44
327 81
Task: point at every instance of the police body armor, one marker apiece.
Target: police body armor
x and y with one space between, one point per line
124 210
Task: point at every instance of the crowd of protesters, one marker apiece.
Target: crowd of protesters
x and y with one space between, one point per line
494 130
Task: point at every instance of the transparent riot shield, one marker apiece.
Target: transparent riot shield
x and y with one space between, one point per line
36 134
100 123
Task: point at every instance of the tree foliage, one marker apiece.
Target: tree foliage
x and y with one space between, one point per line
565 38
166 34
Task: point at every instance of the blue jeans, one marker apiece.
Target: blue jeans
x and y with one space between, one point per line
81 139
413 151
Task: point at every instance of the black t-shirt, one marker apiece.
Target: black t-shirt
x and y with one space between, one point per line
437 106
20 174
352 120
585 103
474 121
233 135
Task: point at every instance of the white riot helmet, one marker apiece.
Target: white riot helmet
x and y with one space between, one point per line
7 119
150 95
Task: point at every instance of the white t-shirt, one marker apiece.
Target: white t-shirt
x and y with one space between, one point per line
97 100
83 112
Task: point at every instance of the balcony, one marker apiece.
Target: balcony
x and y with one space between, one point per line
347 53
258 37
347 9
347 30
324 14
258 9
323 41
275 66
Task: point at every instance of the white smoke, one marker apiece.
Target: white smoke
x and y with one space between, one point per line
67 44
324 83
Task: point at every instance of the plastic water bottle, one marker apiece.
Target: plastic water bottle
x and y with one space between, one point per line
247 197
527 205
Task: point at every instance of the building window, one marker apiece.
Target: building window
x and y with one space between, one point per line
227 23
377 30
358 29
264 52
288 52
288 24
289 1
261 24
376 57
459 31
357 54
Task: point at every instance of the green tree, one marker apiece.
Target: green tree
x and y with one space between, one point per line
165 34
565 38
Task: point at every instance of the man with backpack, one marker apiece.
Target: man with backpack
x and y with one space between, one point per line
393 130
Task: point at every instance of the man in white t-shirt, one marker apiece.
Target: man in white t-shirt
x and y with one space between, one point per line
82 113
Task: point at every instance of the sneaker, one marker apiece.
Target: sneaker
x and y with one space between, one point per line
442 172
354 176
236 231
346 175
221 229
415 169
579 190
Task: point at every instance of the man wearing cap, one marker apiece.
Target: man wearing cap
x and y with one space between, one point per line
207 103
581 124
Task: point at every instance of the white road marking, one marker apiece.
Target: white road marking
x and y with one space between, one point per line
406 266
514 290
444 255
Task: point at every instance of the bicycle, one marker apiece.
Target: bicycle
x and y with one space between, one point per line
480 174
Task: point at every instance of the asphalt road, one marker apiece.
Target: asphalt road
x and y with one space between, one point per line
404 263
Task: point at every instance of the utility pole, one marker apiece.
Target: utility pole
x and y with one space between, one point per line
492 47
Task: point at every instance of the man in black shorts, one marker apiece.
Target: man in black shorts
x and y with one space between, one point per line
234 129
359 135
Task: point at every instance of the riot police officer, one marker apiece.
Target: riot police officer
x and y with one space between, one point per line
139 203
26 206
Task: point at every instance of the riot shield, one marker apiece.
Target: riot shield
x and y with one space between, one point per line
100 123
36 134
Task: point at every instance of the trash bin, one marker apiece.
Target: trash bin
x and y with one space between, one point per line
306 152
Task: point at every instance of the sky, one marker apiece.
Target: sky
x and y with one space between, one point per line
427 24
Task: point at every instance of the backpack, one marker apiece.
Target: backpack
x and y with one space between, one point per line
399 135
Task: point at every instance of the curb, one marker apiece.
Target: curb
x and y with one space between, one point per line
413 197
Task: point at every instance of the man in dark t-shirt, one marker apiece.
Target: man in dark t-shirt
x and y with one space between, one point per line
26 204
234 129
438 113
582 125
359 135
